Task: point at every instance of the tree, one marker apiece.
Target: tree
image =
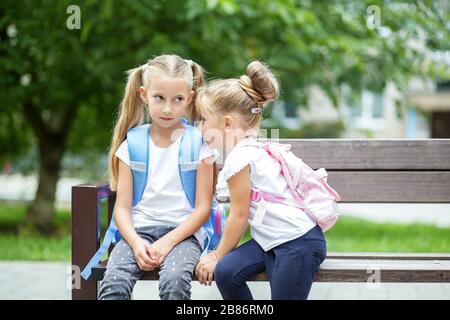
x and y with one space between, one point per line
61 86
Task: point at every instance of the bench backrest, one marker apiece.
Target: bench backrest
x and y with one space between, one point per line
377 171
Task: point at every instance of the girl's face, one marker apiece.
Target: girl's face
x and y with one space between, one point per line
211 129
211 126
221 132
167 99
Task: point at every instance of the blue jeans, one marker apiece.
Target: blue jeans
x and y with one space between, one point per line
291 267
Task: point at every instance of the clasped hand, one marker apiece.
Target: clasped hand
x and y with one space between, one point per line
150 256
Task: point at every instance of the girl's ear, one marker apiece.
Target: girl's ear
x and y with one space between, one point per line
191 95
143 94
228 121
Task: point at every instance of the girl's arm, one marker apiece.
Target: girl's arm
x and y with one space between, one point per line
240 188
122 216
203 199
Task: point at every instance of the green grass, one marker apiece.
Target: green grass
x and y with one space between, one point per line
358 235
35 248
16 246
348 235
351 234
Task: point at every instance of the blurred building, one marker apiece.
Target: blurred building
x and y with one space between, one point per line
424 112
434 99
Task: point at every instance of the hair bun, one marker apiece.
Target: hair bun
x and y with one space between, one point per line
260 83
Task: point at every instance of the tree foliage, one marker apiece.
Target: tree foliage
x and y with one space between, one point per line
63 86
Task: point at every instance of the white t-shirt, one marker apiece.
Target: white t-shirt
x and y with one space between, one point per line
164 201
281 223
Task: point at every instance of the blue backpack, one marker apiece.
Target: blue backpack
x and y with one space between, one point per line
138 147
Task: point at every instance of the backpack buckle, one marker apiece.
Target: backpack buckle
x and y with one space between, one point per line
255 195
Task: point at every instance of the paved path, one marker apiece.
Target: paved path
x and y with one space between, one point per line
48 280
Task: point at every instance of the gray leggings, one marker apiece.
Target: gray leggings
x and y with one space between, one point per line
175 273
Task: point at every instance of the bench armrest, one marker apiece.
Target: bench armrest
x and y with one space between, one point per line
86 230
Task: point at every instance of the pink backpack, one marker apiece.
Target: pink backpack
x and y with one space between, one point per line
309 188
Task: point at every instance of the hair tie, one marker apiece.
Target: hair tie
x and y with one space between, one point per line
190 62
256 110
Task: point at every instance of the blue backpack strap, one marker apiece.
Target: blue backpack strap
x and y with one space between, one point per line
110 237
189 154
190 146
138 149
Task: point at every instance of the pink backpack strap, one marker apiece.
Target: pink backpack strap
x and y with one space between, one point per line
257 196
284 169
261 197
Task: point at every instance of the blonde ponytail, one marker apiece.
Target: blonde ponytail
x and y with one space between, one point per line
197 83
131 114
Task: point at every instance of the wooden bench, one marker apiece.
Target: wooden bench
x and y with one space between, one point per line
362 171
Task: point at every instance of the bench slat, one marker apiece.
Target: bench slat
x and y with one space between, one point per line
389 276
388 256
390 187
373 154
385 265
